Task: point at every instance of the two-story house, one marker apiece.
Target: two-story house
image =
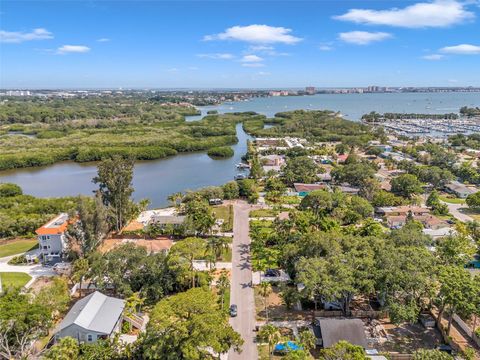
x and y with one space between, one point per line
52 241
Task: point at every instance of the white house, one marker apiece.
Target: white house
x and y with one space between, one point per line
94 317
52 241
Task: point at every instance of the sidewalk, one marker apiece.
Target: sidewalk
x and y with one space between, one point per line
459 338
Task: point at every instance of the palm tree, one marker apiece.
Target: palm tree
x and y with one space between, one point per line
307 339
176 200
223 285
216 246
270 334
265 290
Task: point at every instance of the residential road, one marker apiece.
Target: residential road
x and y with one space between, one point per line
241 292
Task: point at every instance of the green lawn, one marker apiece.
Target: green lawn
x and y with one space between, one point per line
452 200
14 247
225 213
15 279
473 213
263 213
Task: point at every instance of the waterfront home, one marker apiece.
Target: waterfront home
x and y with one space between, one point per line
304 189
94 317
272 162
160 217
164 220
460 190
52 241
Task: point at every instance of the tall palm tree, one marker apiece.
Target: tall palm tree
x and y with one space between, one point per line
265 290
176 200
216 246
272 335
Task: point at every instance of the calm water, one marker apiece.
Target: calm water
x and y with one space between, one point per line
152 179
159 178
353 106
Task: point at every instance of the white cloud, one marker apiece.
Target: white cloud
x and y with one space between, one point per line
325 47
261 48
20 36
363 37
433 57
253 65
258 34
438 13
462 49
265 50
221 56
263 73
103 40
251 59
68 49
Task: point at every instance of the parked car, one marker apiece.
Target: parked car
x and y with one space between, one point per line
445 348
272 273
215 201
233 310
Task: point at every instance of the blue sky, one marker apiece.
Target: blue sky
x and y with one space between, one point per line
230 44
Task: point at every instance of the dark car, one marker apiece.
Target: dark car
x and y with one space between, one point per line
445 348
233 310
272 273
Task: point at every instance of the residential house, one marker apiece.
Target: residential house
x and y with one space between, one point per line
396 221
272 162
342 158
333 330
94 317
52 241
460 190
402 210
304 189
167 220
347 189
428 221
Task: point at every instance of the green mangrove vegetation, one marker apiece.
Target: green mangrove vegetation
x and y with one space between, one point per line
220 152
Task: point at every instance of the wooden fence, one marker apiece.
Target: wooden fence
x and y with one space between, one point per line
373 314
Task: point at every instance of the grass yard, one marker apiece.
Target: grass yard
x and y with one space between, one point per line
473 213
13 247
225 213
452 200
263 213
15 279
226 255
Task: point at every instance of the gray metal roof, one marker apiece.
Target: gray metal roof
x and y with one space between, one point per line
95 312
168 219
334 330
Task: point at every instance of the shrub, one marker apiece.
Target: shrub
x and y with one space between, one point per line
220 152
9 189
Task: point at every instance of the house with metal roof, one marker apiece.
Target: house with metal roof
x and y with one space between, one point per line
460 190
333 330
94 317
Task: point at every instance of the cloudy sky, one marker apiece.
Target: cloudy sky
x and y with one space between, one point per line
228 44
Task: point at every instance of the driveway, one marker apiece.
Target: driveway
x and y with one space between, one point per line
34 271
241 288
455 211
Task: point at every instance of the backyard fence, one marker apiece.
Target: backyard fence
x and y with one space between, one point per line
373 314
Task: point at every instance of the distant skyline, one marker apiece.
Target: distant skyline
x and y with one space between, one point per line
238 44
